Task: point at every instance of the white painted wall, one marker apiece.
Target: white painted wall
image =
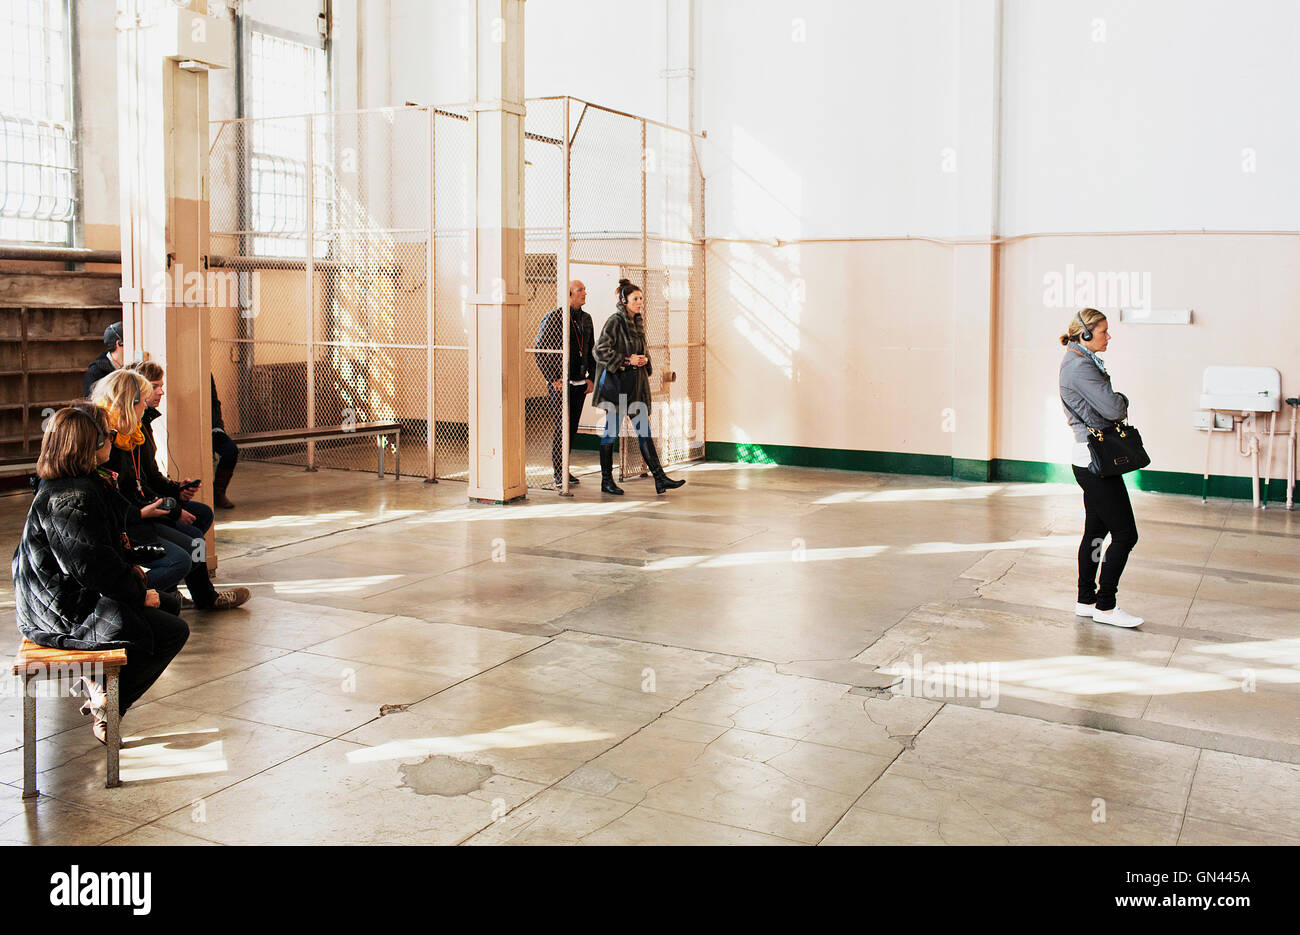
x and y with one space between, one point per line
1139 116
827 118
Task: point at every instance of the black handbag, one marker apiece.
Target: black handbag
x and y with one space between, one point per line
1115 450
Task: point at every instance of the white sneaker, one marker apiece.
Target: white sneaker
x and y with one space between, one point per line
1084 610
1116 618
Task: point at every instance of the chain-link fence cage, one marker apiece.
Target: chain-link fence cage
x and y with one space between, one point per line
350 313
340 251
636 211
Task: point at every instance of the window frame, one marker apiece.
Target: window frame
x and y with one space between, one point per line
246 28
75 221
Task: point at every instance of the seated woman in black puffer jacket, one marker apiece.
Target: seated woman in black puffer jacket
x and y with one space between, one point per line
74 585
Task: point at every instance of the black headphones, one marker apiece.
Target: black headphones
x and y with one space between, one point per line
100 435
1085 333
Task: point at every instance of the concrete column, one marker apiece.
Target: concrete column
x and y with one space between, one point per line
162 86
973 419
496 112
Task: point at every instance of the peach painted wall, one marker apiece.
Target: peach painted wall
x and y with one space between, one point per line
1244 290
840 345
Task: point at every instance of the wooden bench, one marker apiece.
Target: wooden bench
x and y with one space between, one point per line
34 663
326 432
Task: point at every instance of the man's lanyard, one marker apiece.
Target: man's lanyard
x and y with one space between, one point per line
575 331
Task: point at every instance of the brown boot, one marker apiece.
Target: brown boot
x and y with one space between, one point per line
219 485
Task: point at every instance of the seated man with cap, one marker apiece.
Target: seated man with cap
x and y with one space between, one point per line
106 362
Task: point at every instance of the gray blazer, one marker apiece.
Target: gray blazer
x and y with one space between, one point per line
1085 388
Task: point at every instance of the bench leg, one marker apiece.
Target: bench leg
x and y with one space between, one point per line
29 737
397 458
114 731
379 442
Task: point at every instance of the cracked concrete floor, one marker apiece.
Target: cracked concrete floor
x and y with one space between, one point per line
766 656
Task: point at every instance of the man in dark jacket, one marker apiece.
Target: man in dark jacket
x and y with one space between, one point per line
227 453
106 362
582 368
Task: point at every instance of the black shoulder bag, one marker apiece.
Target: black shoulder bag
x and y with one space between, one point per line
1115 450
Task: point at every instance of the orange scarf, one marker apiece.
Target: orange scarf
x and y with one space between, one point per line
125 442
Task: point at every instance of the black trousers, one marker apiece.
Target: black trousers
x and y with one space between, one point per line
1107 510
577 395
143 668
227 451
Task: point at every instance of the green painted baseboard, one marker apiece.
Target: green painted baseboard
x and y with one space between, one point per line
887 462
1000 469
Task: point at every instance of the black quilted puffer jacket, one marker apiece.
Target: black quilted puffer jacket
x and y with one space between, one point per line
73 585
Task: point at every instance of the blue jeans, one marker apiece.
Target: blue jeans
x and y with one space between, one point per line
188 539
171 570
638 413
202 516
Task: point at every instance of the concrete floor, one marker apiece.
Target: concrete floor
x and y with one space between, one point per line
768 655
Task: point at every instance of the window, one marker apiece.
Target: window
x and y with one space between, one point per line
38 168
286 79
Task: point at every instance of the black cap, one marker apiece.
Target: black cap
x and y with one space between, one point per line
113 334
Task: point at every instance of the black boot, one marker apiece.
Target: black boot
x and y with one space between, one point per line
607 484
662 481
219 485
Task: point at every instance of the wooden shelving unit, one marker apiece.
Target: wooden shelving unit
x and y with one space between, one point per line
51 328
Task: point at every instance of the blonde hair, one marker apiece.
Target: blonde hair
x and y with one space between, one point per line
119 392
1091 317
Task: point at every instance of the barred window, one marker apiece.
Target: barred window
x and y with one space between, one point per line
38 166
289 79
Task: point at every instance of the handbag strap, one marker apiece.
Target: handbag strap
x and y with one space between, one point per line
1077 415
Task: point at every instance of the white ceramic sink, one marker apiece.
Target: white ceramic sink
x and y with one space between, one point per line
1241 389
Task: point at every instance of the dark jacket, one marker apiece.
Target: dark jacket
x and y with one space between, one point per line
73 585
622 337
217 421
1085 388
138 496
99 368
155 481
582 340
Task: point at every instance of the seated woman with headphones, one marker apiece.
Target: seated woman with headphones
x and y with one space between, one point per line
123 395
74 585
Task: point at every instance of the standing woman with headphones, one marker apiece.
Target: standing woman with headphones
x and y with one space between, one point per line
1090 402
623 387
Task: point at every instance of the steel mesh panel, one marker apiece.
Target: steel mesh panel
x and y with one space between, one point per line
324 232
543 233
350 330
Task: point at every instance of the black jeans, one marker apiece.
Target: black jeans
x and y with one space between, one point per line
225 449
1106 510
143 668
577 395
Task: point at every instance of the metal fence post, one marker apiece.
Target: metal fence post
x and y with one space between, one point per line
562 288
430 265
310 266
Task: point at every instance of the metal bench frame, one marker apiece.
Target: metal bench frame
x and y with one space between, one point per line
381 431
